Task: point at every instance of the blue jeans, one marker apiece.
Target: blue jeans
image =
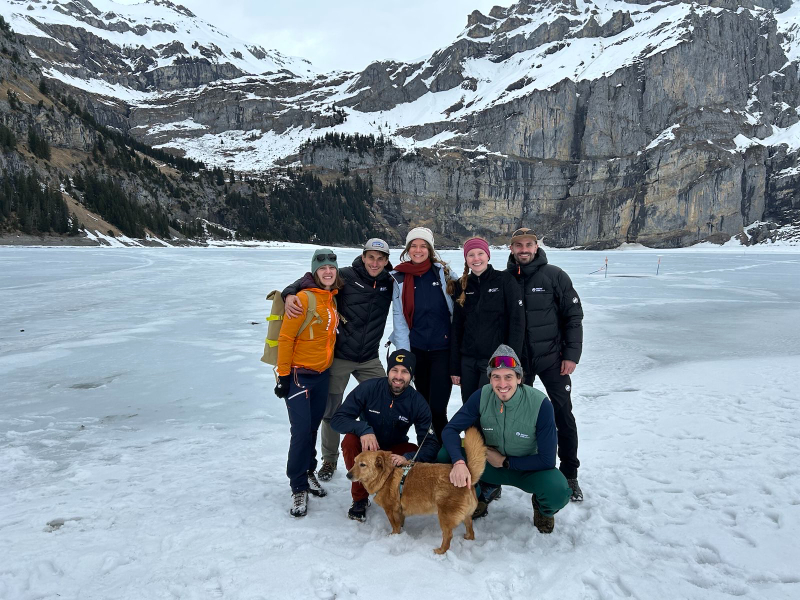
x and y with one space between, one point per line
308 395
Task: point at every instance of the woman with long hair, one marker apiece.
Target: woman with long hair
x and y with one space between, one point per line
422 311
487 311
305 352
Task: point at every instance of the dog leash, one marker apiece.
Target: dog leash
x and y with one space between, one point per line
407 467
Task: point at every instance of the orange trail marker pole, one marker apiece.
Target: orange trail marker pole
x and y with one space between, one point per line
606 274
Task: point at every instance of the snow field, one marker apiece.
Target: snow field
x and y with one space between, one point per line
142 452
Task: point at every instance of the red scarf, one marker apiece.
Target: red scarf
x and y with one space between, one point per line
409 268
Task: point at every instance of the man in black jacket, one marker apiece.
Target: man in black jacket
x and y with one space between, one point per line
363 304
377 416
553 339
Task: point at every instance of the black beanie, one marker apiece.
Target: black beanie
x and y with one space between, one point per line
404 358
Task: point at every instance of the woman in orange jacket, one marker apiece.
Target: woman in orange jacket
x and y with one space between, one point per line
305 352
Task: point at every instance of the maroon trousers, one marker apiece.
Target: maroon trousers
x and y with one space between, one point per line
351 447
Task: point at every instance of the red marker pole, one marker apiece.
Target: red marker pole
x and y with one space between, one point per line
606 275
659 265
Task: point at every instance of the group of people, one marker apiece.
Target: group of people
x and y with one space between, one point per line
488 331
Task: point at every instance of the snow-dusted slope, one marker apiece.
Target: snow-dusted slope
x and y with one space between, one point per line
171 32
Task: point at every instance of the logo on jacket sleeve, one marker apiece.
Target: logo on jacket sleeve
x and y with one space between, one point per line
520 302
491 290
575 300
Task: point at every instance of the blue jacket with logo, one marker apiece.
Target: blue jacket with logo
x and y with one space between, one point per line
432 317
372 408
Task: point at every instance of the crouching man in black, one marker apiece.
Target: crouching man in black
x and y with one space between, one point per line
377 415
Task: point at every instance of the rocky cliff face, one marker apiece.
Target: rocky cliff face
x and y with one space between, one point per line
595 122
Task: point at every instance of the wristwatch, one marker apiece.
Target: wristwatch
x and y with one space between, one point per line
505 463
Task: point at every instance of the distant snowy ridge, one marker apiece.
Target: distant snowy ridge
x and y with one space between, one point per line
150 35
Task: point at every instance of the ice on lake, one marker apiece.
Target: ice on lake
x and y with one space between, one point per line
142 452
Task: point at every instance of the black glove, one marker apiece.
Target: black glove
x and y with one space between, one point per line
282 388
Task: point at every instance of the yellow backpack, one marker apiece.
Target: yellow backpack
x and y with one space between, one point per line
275 320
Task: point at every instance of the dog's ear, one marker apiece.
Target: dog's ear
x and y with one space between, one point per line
379 461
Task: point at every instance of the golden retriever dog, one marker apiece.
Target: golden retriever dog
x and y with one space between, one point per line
427 488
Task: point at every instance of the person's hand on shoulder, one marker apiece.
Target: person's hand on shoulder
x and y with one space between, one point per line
292 307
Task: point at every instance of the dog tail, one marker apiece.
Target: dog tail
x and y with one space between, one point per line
476 453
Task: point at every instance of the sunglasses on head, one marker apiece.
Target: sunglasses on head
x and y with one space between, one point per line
523 231
321 257
499 362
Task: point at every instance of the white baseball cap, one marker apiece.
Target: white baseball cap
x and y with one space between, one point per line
378 245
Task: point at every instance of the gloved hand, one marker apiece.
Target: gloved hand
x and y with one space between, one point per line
282 387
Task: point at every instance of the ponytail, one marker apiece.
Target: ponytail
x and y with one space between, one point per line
462 281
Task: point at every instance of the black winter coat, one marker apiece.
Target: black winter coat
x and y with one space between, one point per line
492 314
372 408
364 302
553 313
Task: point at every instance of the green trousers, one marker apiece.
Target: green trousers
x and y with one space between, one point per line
549 488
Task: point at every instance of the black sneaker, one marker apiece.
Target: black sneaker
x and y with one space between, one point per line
358 512
326 472
488 493
299 504
577 493
314 488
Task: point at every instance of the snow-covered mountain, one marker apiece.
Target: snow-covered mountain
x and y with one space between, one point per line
602 121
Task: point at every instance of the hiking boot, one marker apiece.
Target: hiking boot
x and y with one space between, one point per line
542 523
299 504
577 493
488 493
314 488
326 472
358 511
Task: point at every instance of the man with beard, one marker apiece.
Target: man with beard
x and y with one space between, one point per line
363 303
377 415
553 339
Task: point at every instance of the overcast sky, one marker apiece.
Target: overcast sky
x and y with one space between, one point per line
343 34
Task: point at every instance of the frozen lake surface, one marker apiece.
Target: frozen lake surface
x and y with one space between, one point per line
142 452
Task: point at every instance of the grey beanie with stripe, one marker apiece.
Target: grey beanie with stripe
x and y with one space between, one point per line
503 350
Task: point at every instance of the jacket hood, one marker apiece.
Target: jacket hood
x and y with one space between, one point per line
307 281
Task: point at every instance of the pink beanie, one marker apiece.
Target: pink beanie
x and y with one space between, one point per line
476 242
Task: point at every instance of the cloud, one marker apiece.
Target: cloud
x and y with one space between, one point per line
348 34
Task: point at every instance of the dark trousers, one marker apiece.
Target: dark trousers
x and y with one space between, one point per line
351 447
473 376
308 395
432 380
559 388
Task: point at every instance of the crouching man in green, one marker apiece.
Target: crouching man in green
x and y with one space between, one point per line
520 431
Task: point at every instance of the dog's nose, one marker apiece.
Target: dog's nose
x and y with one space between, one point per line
349 475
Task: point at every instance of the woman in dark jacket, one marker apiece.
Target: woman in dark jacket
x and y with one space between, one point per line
422 311
487 311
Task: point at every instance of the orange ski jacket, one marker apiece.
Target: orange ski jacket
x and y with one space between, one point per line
313 348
